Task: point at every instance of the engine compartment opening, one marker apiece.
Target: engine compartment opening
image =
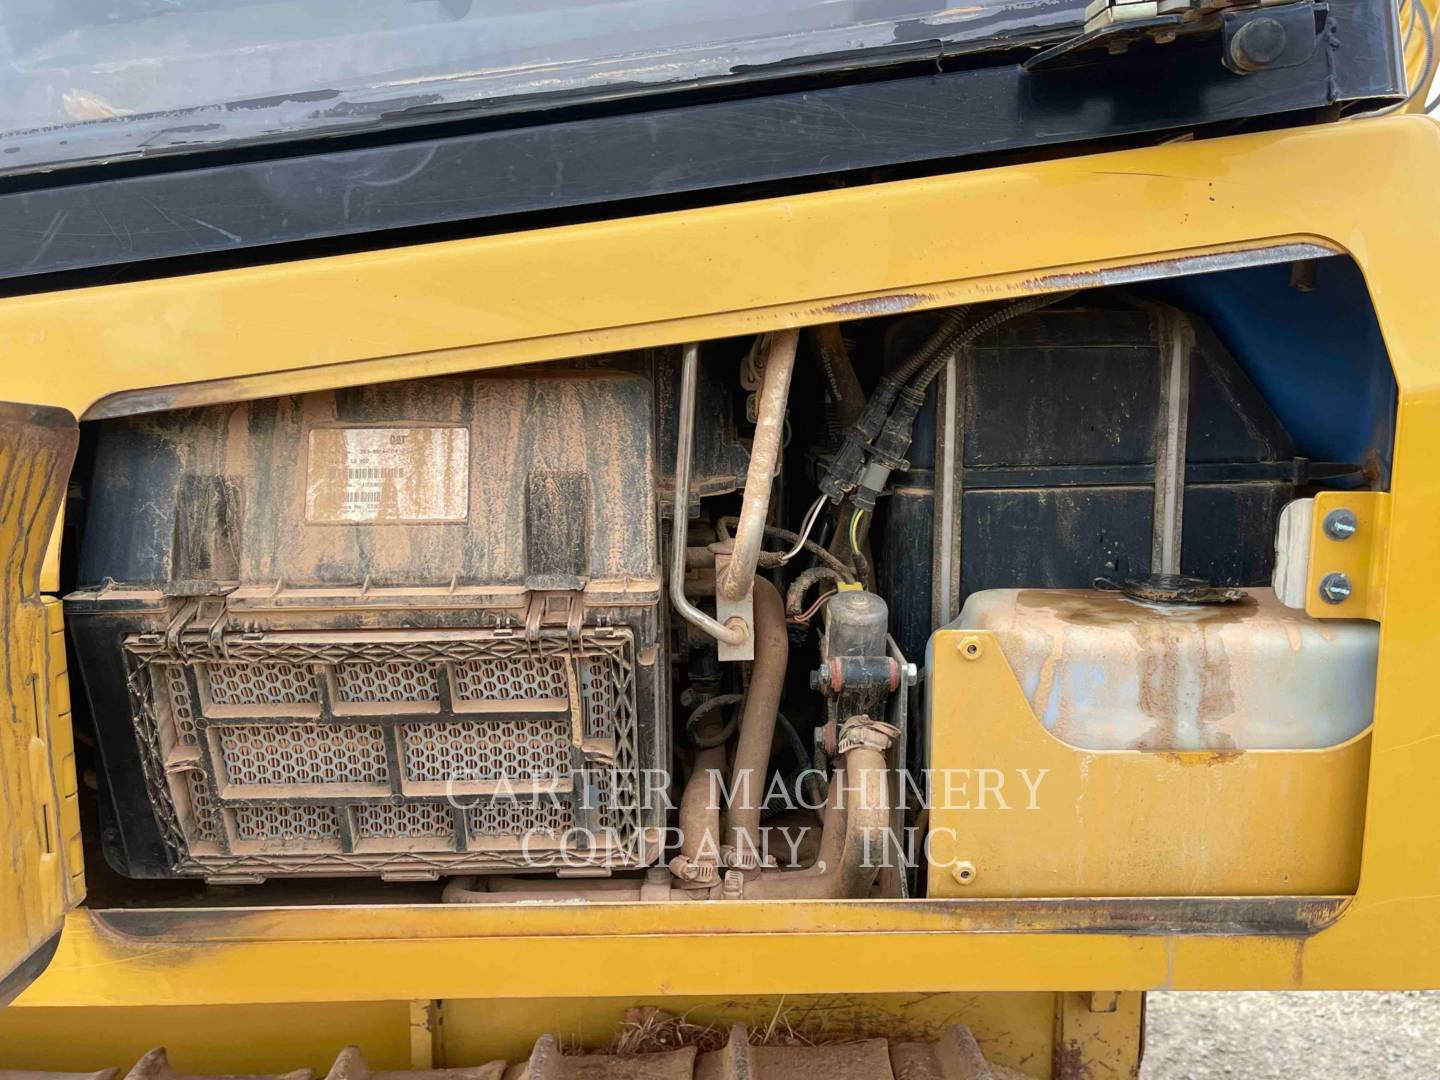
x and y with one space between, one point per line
665 625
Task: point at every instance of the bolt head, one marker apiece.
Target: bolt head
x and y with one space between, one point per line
1335 588
1258 44
1341 524
963 872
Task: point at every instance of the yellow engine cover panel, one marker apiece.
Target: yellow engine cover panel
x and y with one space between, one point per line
1016 812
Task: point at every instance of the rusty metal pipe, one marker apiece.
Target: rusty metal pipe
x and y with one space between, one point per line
699 558
735 581
733 631
857 813
700 821
832 825
864 807
757 720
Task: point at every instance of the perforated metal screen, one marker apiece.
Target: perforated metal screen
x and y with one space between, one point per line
390 753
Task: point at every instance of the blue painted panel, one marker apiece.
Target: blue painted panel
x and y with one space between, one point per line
1317 356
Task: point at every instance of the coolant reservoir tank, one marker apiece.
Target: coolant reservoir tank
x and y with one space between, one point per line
1105 672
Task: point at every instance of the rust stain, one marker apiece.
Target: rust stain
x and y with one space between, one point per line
1176 266
1134 916
1189 759
1188 667
891 304
1070 1062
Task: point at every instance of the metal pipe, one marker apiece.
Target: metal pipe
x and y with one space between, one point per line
699 863
733 631
736 580
844 870
757 723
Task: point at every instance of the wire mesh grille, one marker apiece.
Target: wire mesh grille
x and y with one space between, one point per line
293 735
204 820
177 693
303 754
261 684
282 823
408 820
511 679
598 691
386 683
522 748
504 817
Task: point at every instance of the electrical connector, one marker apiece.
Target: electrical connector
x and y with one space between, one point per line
844 472
887 453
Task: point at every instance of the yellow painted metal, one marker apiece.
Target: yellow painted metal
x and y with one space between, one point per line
1031 815
61 754
756 266
1098 1035
1361 557
41 873
215 1040
426 1036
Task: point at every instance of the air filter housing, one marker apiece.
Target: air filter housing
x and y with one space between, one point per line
405 631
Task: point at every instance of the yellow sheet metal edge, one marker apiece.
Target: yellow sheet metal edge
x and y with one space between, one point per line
39 821
786 261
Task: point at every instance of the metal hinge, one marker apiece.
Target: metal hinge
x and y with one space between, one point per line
552 609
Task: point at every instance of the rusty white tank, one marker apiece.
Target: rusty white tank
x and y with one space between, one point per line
1105 672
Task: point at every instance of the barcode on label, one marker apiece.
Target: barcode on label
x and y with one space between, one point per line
388 474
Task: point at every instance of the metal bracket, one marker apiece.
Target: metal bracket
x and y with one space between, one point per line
1358 555
743 609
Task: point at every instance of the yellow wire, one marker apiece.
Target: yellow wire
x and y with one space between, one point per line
854 530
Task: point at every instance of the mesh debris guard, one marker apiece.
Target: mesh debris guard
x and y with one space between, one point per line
398 753
401 630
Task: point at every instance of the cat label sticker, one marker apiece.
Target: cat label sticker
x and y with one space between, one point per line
388 475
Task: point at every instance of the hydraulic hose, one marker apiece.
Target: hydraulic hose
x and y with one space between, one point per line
757 725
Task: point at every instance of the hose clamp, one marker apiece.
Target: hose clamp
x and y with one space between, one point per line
694 871
859 732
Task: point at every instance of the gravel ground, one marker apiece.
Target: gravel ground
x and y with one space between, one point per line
1260 1036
